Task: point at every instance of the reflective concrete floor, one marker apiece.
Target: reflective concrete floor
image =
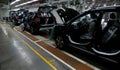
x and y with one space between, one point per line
18 53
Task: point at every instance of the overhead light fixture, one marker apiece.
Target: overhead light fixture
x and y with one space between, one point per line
26 3
14 2
14 9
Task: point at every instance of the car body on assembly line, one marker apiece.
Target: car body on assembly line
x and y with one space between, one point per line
42 19
96 32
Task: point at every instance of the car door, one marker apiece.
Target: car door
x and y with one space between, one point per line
82 29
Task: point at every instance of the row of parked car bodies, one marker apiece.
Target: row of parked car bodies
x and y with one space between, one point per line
96 31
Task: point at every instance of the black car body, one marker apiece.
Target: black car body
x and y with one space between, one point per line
18 16
28 19
96 32
22 14
13 16
42 19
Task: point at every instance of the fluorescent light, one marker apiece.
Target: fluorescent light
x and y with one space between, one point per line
14 2
14 9
26 3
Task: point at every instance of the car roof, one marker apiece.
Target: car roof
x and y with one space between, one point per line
107 8
103 9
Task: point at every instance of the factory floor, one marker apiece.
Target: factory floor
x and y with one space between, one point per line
18 52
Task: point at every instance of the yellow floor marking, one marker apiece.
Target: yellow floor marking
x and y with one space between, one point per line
51 61
28 45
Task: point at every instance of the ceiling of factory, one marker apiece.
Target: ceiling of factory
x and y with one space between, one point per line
97 3
6 3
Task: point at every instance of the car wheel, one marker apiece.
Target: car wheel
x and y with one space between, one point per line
60 43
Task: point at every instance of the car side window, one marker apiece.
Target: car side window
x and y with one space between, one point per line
85 20
108 19
112 28
86 25
105 19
